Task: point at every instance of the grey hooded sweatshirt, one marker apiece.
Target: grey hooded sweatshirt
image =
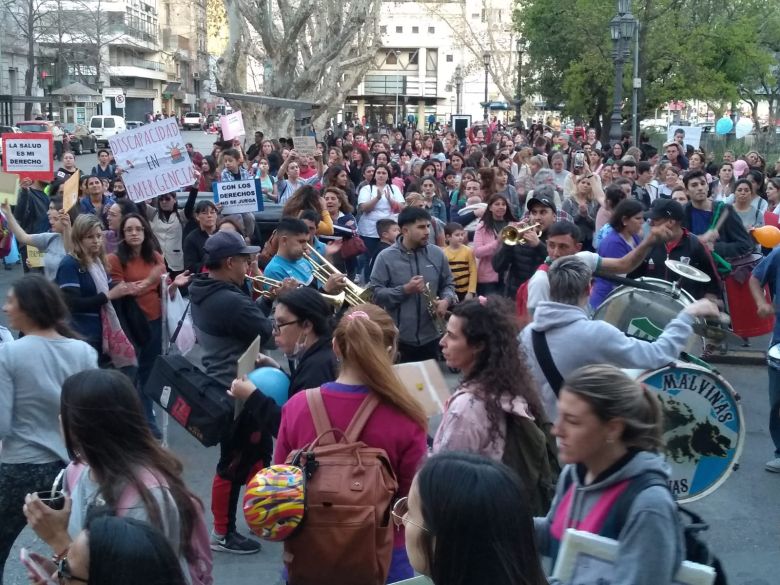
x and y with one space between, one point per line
393 268
575 341
650 543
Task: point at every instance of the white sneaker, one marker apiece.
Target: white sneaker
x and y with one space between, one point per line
773 466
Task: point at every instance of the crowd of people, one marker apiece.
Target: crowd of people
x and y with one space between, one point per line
476 250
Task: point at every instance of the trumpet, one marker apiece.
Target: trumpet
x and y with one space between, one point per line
511 235
258 282
322 270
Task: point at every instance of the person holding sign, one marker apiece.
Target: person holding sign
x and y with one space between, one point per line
53 243
31 211
96 202
289 179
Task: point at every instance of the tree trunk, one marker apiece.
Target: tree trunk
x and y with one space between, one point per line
29 76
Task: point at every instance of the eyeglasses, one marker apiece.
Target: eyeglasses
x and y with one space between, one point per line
276 328
64 573
399 512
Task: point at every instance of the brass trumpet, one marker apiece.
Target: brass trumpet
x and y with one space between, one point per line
335 301
511 235
322 270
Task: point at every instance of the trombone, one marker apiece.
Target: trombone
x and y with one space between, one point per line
512 235
258 282
322 269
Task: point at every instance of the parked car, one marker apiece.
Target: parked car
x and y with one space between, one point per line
105 127
133 124
35 126
79 138
7 130
193 120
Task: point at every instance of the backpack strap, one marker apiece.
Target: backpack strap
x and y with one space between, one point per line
544 357
637 485
358 422
319 415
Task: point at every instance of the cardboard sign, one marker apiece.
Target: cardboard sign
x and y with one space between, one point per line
246 363
153 159
426 383
238 196
232 125
9 188
29 155
34 257
306 145
70 191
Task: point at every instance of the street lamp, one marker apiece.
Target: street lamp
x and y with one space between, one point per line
621 30
486 61
458 79
519 98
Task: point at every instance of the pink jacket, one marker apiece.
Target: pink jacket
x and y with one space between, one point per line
486 244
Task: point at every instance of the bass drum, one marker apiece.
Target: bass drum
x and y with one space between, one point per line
643 313
704 429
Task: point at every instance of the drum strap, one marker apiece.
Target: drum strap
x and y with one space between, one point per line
543 356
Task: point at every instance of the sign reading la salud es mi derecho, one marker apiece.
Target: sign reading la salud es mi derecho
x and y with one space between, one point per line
153 159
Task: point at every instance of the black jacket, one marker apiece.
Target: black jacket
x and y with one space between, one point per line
516 264
734 240
194 254
315 367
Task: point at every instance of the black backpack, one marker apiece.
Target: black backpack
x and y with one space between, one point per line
696 550
530 450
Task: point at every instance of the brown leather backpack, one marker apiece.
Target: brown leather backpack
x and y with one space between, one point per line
347 533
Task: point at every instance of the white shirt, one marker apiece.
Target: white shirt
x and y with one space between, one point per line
382 210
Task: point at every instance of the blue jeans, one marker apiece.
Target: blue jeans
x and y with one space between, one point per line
365 260
774 408
146 356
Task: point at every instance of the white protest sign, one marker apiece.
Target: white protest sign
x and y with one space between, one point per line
232 125
691 134
153 159
237 196
29 155
306 145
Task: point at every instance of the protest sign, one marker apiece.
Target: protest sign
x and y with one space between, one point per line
232 125
34 257
153 159
425 382
691 134
306 145
70 191
29 155
238 196
9 188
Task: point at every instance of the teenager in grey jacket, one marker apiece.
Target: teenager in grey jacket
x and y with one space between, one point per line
399 279
575 340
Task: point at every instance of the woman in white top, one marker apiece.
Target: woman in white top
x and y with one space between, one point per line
724 185
32 370
378 200
167 222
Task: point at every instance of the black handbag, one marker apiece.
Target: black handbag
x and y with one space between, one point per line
133 321
191 397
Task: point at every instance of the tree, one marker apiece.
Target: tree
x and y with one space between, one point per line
28 16
310 50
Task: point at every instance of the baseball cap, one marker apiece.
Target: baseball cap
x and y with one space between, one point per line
666 209
226 244
542 198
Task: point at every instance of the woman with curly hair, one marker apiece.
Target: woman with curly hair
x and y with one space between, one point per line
308 197
481 342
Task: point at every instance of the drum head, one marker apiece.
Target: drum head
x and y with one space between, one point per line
704 430
773 356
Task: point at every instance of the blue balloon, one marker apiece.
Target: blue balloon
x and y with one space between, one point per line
272 382
723 126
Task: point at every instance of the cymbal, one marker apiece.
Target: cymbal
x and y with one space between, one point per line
687 271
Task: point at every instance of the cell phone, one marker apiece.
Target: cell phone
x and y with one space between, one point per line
579 159
35 568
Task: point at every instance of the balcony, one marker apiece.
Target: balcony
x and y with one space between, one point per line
137 35
135 67
401 85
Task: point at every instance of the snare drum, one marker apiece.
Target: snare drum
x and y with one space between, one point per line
643 313
704 429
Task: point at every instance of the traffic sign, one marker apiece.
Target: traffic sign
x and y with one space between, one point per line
119 101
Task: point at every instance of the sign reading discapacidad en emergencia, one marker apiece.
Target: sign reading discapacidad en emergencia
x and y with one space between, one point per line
153 159
29 155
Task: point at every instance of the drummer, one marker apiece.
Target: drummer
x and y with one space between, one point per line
562 337
681 246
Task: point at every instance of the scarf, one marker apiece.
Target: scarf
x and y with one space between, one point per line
115 343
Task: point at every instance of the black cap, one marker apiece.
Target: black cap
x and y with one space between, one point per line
541 197
226 244
666 209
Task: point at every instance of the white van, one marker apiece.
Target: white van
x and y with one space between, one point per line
104 127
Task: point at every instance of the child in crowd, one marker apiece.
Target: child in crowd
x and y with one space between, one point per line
234 170
461 259
388 231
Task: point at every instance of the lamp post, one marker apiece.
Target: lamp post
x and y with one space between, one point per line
458 79
621 29
519 97
99 86
486 61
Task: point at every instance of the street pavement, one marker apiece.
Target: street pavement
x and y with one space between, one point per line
743 514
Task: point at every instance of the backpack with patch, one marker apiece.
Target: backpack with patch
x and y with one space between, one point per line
346 536
201 565
530 450
521 299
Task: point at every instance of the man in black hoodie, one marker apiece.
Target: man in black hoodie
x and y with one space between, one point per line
226 322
